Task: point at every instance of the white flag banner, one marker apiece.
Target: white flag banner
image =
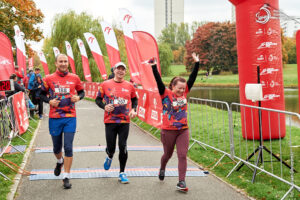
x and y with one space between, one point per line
56 51
111 43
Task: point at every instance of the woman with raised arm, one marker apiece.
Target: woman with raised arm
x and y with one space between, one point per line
174 124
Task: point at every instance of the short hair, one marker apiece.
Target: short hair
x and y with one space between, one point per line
37 69
61 54
13 76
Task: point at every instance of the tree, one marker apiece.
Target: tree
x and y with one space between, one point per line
168 35
216 45
24 14
70 27
165 57
289 46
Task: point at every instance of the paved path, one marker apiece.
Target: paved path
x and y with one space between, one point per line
90 131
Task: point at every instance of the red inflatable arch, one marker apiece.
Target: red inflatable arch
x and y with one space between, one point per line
259 44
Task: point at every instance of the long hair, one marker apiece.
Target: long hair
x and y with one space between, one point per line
175 80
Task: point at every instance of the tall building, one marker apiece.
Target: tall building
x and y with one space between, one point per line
290 25
167 12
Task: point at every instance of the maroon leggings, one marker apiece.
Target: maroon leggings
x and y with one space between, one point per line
181 138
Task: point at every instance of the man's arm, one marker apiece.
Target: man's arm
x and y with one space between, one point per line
99 102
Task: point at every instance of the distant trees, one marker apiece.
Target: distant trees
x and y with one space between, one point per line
24 14
176 36
215 43
289 50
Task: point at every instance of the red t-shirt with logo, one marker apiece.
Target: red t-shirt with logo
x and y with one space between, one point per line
62 86
174 110
120 95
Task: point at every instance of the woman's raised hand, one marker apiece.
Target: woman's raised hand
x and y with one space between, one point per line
195 57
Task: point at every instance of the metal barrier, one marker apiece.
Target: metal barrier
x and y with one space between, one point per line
8 127
215 125
211 126
273 157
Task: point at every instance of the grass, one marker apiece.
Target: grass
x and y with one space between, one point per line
208 126
289 77
16 158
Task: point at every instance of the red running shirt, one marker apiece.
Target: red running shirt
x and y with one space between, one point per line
120 95
174 110
63 87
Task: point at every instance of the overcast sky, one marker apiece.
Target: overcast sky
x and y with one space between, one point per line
143 11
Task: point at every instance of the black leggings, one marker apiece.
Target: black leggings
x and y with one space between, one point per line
111 131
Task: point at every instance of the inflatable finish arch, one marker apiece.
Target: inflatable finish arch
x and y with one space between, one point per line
259 44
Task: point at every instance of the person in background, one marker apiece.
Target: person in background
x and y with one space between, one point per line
19 88
174 129
20 75
37 88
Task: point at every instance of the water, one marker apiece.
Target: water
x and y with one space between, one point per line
230 95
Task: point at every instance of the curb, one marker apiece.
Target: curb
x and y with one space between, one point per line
18 177
201 167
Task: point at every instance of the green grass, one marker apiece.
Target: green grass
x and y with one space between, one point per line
207 126
289 77
15 158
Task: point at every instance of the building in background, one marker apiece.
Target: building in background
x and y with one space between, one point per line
290 25
167 12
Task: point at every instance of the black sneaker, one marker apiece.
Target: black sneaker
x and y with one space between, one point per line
57 169
161 175
182 186
67 184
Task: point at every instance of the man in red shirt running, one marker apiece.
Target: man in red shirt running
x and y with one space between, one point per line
118 98
61 86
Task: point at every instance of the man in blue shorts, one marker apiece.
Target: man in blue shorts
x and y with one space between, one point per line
61 88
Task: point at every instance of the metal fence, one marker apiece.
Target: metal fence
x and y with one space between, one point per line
8 127
218 126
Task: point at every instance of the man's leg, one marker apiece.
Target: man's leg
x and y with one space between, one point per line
57 150
68 146
123 131
111 137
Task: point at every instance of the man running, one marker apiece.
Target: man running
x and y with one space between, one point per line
61 87
117 97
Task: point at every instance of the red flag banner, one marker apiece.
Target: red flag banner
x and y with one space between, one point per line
44 62
111 43
70 56
134 61
147 48
20 112
97 54
6 58
85 61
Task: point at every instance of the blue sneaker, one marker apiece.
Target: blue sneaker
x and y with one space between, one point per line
107 163
123 178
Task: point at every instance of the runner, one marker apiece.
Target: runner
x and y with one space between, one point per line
61 87
174 125
117 97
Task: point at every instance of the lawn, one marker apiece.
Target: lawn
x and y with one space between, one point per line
228 79
210 125
16 158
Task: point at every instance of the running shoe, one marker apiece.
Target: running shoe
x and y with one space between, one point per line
161 175
181 186
57 169
107 163
67 184
123 178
